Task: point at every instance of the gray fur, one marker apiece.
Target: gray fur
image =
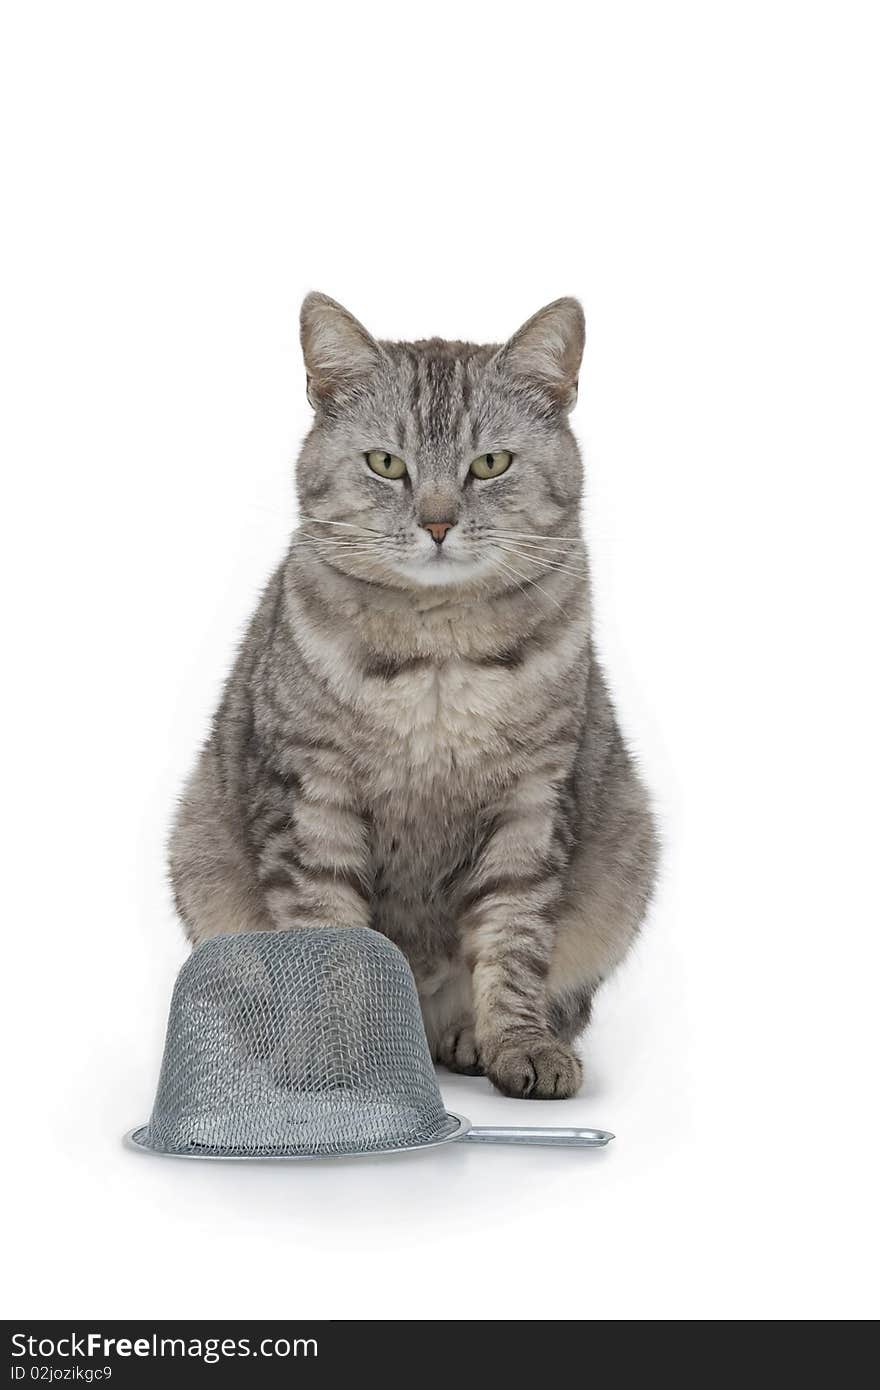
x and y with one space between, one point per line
418 737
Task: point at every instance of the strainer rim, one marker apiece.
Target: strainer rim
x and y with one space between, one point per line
462 1125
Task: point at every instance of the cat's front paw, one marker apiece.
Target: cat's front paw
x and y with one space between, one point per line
457 1050
535 1068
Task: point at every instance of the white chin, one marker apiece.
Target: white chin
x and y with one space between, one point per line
439 570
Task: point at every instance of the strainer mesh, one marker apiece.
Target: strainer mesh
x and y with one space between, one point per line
293 1043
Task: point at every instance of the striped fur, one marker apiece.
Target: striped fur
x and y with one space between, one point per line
419 738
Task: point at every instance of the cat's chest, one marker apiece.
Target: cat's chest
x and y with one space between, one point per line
445 716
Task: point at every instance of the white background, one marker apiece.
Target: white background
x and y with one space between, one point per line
704 177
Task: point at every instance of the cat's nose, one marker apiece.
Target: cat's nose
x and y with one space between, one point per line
438 529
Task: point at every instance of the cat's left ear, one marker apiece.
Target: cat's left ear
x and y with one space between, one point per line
338 351
548 350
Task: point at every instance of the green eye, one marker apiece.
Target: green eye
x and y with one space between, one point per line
491 465
386 465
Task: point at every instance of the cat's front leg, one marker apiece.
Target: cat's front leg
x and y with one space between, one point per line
457 1049
448 1013
517 1048
508 933
312 857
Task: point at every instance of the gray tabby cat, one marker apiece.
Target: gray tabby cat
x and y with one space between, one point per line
416 734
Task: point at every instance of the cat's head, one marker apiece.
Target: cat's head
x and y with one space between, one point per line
439 463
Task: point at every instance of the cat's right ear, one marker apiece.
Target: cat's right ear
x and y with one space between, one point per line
338 351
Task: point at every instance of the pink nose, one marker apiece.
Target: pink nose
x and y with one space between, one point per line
438 529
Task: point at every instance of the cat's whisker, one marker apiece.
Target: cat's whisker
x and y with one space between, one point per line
580 570
533 583
516 577
306 539
304 535
539 554
333 557
533 536
349 525
540 551
551 548
499 564
348 554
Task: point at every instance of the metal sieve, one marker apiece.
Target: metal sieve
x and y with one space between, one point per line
305 1044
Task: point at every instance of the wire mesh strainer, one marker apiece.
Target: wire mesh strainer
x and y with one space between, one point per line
304 1044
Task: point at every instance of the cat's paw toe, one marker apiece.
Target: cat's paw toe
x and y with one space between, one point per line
537 1069
458 1051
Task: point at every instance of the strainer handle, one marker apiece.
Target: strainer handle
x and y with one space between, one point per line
563 1138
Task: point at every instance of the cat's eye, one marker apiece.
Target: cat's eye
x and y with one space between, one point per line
386 465
492 465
